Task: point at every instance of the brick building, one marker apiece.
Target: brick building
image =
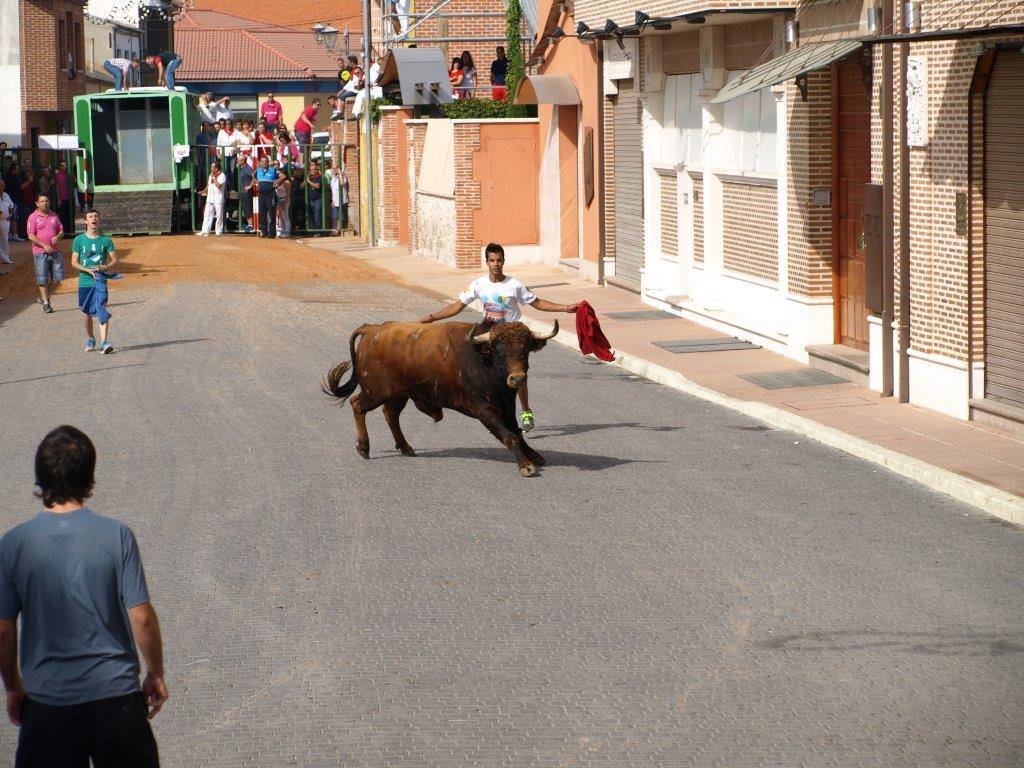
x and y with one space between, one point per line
42 47
735 173
454 26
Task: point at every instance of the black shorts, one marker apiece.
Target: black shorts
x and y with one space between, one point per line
115 733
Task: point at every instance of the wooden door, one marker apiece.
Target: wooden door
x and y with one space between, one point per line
851 170
1004 231
568 169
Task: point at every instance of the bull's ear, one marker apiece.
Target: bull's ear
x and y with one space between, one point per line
538 344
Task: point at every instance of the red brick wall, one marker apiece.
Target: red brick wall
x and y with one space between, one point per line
750 229
467 196
393 177
810 167
45 87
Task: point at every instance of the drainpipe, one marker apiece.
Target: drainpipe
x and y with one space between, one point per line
371 207
888 239
904 226
599 147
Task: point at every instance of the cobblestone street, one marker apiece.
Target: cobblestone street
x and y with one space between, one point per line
680 586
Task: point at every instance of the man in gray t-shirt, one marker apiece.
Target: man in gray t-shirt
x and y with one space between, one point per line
77 581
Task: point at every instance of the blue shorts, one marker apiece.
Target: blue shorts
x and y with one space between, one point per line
49 266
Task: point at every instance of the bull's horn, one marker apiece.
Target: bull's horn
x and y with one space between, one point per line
483 338
543 337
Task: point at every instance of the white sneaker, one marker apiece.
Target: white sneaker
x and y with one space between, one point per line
202 234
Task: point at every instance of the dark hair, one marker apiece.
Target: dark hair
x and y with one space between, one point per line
315 101
494 248
353 59
91 210
65 466
467 59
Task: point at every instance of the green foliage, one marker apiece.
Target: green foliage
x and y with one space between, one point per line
375 106
478 109
514 51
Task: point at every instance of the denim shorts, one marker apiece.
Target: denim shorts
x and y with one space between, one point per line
49 266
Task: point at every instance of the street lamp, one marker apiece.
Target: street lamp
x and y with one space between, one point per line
330 37
318 32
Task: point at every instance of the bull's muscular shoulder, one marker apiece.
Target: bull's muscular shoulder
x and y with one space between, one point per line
396 335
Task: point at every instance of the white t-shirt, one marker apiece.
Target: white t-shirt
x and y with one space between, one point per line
206 112
501 301
221 112
228 141
6 207
213 193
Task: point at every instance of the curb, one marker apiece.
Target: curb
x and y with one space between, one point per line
993 501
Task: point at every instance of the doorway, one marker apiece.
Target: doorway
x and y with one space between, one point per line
568 185
851 170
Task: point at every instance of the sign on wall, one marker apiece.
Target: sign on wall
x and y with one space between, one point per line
917 101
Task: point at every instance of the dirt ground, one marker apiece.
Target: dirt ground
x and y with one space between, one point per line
156 260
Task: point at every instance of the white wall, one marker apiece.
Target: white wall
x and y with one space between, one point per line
10 73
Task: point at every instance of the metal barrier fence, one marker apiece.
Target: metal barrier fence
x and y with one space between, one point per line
49 172
304 204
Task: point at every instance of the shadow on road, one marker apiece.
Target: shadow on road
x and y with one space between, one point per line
104 369
582 429
954 641
157 344
584 461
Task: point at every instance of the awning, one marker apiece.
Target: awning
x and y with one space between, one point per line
547 89
421 73
806 58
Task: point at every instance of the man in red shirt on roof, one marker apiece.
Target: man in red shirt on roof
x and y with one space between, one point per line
306 123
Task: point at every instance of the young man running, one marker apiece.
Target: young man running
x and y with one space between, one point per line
501 297
92 253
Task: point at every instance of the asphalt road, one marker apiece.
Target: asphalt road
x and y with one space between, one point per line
680 586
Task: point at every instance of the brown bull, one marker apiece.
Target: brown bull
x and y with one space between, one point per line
471 369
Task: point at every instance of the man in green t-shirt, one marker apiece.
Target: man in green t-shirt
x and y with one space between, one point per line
92 254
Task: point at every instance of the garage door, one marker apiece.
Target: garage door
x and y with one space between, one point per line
1004 231
629 188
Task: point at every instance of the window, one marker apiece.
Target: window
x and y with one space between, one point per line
749 130
62 44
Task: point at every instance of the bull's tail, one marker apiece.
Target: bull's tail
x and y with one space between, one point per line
332 384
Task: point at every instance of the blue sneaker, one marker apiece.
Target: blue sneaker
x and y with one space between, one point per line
90 344
106 348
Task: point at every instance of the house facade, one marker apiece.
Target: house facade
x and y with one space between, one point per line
42 46
743 178
111 31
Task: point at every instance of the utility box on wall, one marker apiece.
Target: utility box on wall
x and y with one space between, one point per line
874 291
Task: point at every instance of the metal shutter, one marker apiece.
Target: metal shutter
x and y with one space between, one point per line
1004 231
629 187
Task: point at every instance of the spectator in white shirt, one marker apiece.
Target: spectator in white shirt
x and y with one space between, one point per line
207 109
214 210
222 109
227 145
6 217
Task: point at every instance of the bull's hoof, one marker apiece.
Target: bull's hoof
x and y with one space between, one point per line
364 452
528 470
407 451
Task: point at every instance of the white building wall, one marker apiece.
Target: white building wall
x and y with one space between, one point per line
10 73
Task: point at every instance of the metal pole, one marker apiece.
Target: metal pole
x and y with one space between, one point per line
599 148
888 239
371 212
904 390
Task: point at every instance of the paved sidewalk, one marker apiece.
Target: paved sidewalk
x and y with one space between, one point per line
987 464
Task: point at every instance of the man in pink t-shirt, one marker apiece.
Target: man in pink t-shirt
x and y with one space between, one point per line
45 232
306 123
272 111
